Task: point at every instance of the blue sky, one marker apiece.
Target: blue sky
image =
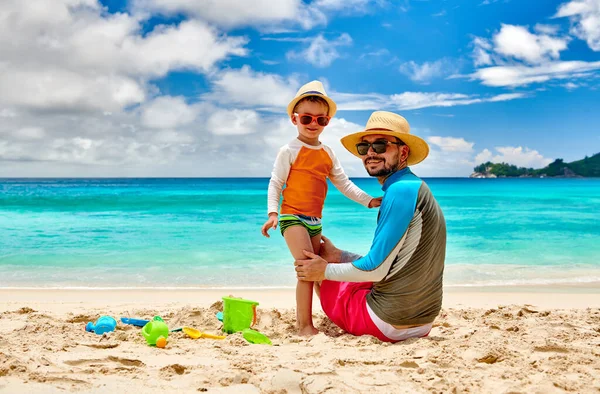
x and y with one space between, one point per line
181 88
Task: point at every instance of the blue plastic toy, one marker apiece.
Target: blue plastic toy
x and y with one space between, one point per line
134 322
103 324
220 316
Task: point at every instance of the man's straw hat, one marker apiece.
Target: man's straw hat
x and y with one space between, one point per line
388 123
313 88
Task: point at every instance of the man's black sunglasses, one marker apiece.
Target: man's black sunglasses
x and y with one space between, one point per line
378 146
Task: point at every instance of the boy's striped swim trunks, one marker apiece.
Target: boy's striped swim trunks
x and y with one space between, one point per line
311 224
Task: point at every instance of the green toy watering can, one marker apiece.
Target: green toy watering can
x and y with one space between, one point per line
156 332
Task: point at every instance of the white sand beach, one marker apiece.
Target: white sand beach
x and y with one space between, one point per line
494 340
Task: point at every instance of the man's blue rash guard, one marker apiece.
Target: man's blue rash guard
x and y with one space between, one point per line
397 209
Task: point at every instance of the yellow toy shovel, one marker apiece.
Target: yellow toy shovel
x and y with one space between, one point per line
195 334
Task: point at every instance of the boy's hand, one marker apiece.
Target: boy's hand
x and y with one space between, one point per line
376 202
270 223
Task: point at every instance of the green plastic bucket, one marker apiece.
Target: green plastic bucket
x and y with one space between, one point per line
238 314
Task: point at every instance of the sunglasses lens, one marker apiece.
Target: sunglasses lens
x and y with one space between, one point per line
305 119
379 147
322 121
362 148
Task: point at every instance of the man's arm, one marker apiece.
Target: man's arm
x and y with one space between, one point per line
396 212
348 257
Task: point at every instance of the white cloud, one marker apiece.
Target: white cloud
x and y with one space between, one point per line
7 113
448 156
71 55
416 100
547 29
111 153
570 86
519 57
168 112
321 52
234 122
453 156
585 17
30 133
518 156
524 75
192 45
120 145
172 137
269 15
247 88
427 71
354 5
413 100
483 157
375 54
226 13
52 88
481 55
451 144
518 42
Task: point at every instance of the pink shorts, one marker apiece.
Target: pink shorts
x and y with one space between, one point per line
345 303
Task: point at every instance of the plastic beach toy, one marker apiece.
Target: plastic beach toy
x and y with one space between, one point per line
103 324
238 314
134 322
219 316
156 332
195 334
256 337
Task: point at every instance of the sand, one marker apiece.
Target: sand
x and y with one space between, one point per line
513 340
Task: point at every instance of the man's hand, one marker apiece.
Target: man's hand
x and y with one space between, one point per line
375 202
270 223
311 270
328 251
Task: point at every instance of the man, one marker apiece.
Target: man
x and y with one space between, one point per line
395 291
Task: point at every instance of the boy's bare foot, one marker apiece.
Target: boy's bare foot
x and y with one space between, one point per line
307 331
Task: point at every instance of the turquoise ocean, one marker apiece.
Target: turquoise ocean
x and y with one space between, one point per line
205 233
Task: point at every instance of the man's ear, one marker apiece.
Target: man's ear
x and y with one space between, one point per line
294 121
405 151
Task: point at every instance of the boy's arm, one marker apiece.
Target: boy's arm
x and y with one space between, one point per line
395 215
279 175
341 181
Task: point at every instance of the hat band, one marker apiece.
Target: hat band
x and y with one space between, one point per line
386 129
312 92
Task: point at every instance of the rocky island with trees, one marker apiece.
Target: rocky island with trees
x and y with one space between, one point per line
587 167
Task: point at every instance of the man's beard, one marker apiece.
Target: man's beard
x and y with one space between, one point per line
386 170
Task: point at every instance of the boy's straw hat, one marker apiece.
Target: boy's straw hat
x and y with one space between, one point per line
388 123
313 88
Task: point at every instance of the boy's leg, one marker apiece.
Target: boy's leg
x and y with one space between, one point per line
297 239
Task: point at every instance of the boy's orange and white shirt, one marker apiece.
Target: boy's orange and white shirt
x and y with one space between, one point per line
304 170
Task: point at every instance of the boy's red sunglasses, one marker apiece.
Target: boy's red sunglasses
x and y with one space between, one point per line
306 119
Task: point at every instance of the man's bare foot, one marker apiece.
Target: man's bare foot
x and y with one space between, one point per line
307 331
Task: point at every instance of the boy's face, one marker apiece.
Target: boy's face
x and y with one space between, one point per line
313 130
